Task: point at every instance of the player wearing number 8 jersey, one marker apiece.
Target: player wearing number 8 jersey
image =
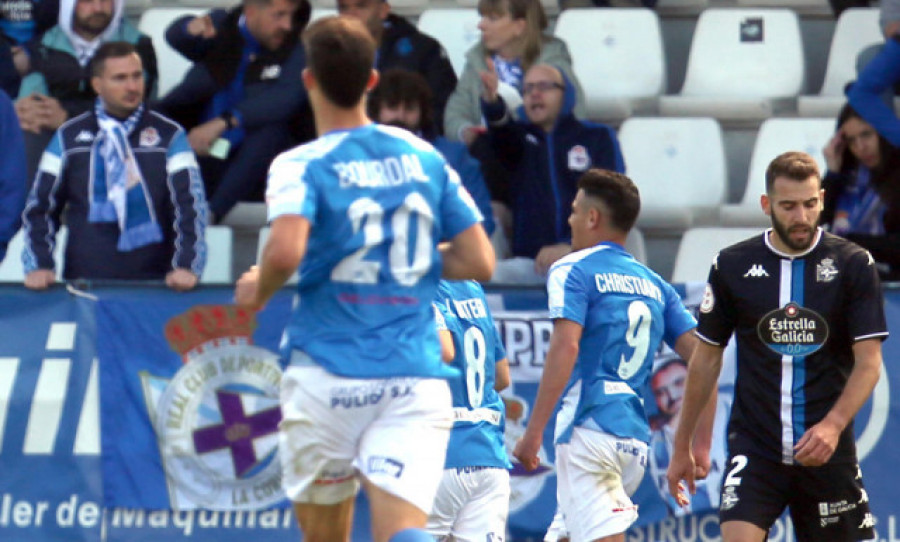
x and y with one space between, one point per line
610 312
472 503
363 208
807 315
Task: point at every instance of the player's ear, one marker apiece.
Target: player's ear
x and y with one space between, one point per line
373 80
766 204
308 78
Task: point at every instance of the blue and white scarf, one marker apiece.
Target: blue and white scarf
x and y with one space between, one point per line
509 71
859 209
118 191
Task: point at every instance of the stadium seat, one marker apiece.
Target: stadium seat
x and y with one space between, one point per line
636 246
11 269
322 8
686 7
263 236
744 65
618 58
218 255
172 66
856 29
456 29
551 7
699 246
679 166
775 137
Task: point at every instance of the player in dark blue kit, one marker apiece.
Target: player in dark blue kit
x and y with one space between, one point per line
610 312
363 208
807 312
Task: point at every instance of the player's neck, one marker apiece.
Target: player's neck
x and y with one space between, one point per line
330 118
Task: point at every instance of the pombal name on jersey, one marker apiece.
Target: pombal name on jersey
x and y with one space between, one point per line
387 172
627 284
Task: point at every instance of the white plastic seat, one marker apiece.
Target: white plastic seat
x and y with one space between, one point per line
679 166
618 58
219 243
699 246
744 64
263 237
776 136
856 29
636 246
172 66
11 269
455 29
322 8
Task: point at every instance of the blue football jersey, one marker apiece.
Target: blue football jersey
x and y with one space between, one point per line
378 199
478 411
626 310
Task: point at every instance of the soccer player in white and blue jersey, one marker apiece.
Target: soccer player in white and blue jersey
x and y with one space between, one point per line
363 207
472 503
609 312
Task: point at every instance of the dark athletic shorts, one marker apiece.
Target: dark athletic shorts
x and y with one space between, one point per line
827 503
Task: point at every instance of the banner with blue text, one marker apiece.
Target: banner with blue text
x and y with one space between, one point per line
186 388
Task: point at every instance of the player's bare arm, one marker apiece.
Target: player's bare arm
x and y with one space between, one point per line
818 443
469 255
702 443
703 376
501 375
280 258
564 344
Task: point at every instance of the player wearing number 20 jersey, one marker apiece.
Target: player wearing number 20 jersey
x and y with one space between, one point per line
378 199
472 502
626 310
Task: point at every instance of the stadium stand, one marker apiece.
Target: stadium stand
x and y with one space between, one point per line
856 29
698 246
618 58
455 29
219 249
744 64
775 137
679 166
172 66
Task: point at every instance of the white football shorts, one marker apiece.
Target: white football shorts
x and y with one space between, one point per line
596 475
472 504
393 431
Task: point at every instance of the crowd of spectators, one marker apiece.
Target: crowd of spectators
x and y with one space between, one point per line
242 102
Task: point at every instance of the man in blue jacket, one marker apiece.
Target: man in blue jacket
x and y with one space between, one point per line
128 183
12 173
242 101
546 153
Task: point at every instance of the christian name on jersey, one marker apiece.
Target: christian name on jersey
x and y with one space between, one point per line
793 330
390 171
627 284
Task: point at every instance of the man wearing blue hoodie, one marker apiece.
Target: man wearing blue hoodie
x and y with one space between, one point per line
546 153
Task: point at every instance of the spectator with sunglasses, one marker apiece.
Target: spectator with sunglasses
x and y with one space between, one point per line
546 152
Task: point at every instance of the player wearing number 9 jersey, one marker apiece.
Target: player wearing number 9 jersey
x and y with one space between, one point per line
610 312
472 503
360 211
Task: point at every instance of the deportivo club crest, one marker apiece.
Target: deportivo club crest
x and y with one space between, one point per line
216 420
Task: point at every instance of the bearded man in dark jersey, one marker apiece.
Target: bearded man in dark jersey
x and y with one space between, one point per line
807 312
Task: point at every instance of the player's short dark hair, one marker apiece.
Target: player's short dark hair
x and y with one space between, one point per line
617 192
110 49
794 165
403 87
340 52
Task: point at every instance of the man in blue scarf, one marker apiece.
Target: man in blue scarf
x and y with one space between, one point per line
129 184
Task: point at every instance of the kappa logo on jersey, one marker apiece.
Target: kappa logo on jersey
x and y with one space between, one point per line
825 270
793 330
756 270
217 418
84 137
868 521
270 72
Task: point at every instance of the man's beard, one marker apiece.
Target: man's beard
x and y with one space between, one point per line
93 25
784 234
